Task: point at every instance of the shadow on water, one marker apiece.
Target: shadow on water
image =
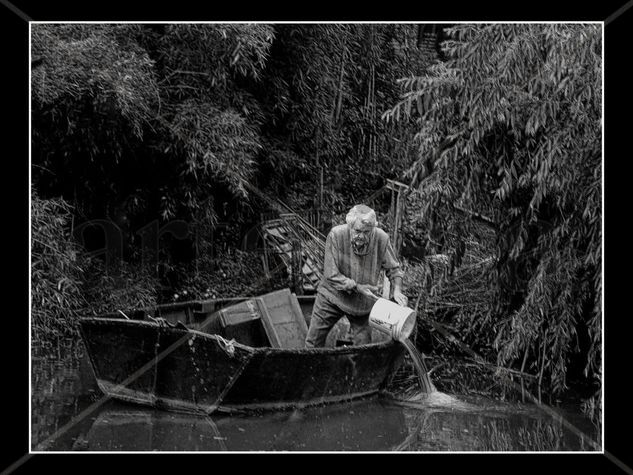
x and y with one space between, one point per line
63 386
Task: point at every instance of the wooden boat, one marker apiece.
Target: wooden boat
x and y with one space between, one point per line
232 354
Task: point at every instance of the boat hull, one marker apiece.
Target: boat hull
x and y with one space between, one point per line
285 378
157 365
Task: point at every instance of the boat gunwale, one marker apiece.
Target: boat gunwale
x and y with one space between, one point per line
338 350
196 304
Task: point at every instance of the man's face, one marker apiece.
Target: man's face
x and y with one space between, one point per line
360 235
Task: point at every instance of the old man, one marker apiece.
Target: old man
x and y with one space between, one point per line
355 253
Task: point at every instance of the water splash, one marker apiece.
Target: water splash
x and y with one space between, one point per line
428 396
437 400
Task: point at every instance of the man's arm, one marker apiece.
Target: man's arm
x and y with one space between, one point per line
396 283
394 273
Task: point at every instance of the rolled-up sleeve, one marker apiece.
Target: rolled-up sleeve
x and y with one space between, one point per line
331 268
390 263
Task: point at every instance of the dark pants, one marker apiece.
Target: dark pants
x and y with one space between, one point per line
325 315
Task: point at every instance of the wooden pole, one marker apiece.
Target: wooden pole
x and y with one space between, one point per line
197 245
396 222
399 217
386 284
297 276
265 255
319 220
318 224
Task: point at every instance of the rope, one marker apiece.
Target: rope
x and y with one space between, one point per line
226 345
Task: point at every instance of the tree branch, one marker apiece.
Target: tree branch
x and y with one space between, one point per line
477 217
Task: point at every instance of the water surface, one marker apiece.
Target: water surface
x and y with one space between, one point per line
63 387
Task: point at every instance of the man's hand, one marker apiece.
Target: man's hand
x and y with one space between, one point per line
367 289
400 298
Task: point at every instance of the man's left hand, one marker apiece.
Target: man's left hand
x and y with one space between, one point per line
400 298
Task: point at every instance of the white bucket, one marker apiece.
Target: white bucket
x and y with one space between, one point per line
392 319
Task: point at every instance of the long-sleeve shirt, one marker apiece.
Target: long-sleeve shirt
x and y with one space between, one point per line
343 269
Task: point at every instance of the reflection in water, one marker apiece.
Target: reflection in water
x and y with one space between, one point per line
361 425
63 385
440 421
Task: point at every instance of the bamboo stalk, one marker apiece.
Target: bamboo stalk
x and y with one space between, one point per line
540 377
340 85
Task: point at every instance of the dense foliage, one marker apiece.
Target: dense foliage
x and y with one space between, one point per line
500 135
510 129
67 283
152 120
145 124
55 274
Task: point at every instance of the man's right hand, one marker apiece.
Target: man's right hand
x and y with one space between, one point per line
367 289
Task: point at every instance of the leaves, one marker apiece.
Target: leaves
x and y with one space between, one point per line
518 107
66 283
81 61
216 143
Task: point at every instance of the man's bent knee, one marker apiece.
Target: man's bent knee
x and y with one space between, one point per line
324 317
317 333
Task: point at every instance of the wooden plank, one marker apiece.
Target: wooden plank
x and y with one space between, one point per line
240 313
303 327
283 319
243 322
397 184
269 327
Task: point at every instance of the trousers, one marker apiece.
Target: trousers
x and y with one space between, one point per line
325 314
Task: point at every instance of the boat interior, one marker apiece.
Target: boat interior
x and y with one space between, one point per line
279 319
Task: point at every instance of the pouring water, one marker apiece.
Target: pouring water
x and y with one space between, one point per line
399 321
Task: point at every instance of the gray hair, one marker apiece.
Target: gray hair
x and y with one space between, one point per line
362 212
